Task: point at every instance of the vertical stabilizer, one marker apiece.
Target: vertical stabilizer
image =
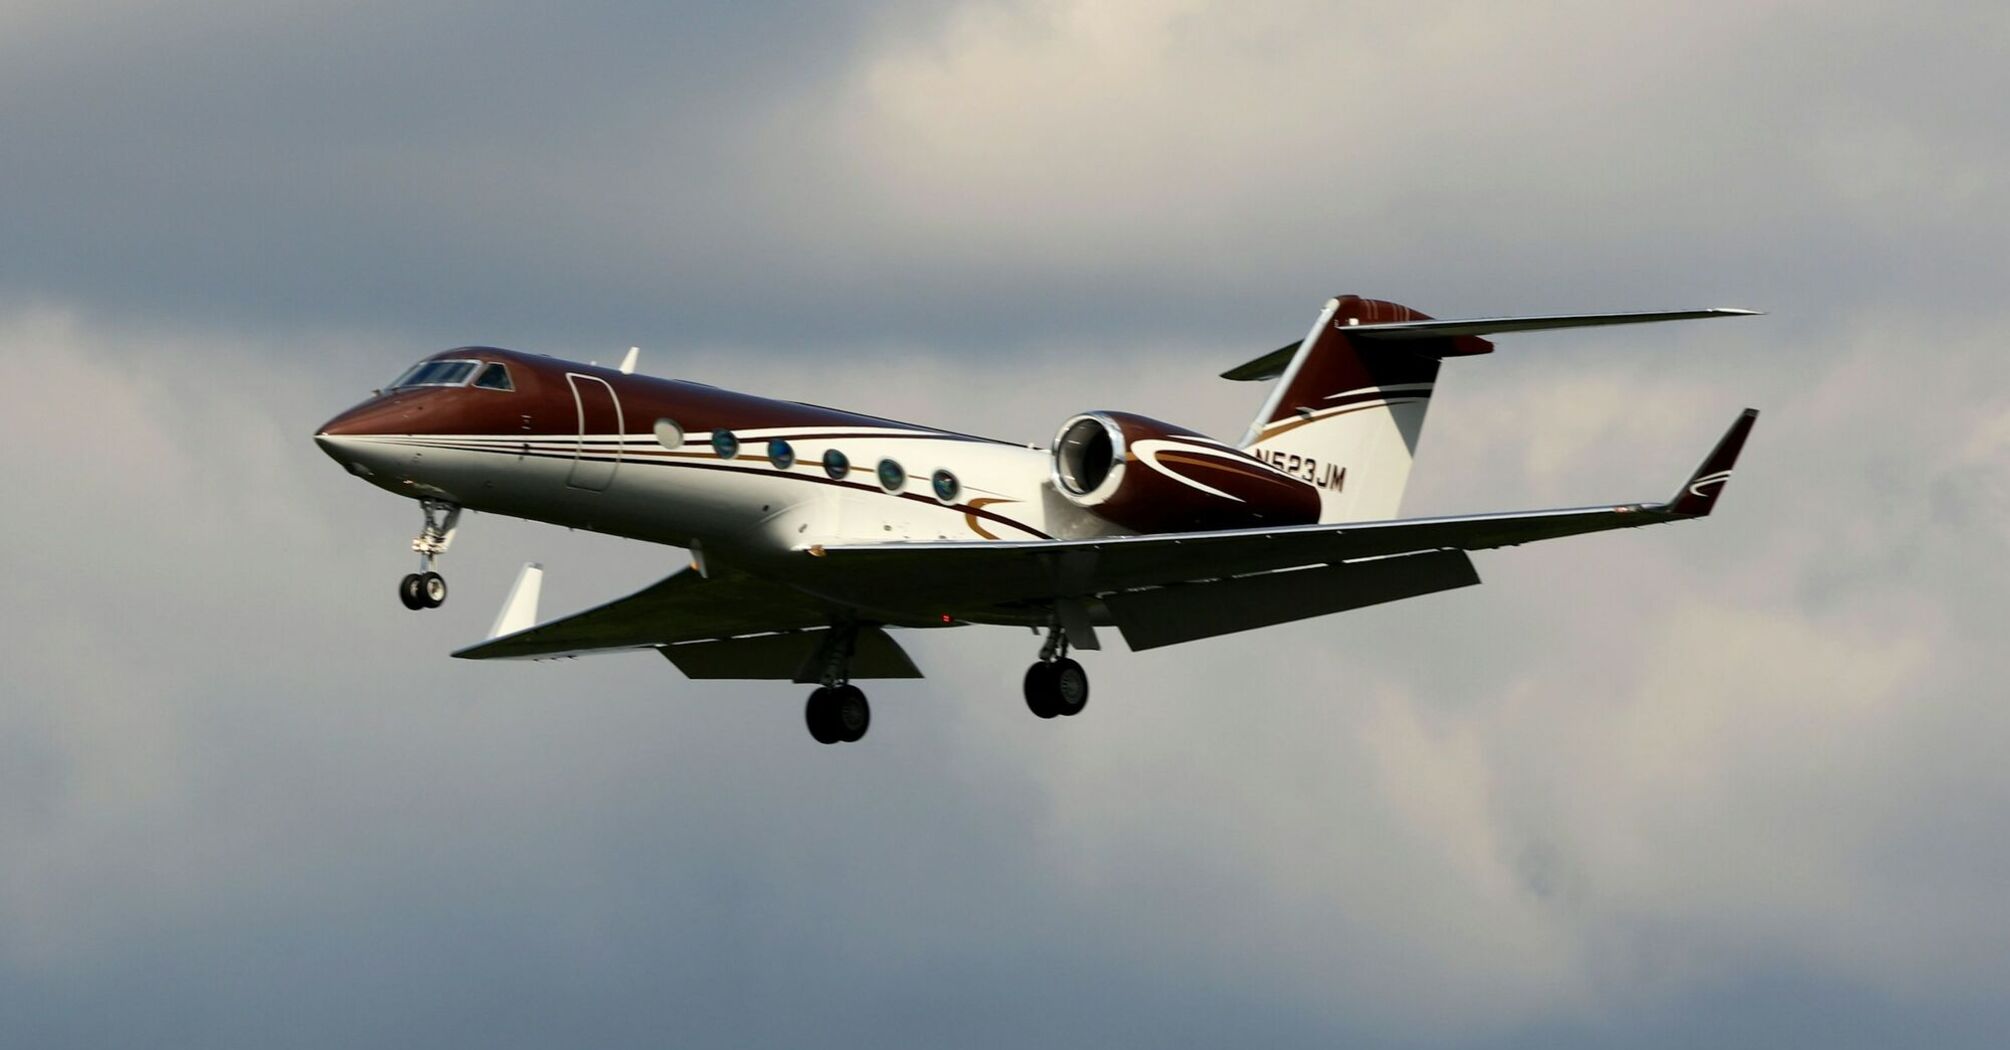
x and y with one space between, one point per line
1346 413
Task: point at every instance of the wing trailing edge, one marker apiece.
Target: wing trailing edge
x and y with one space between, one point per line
1187 612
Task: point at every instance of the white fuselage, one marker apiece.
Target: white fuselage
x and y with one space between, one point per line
634 486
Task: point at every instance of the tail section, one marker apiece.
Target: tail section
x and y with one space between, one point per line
1346 413
1350 398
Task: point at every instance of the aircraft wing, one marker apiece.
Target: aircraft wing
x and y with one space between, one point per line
684 607
1157 589
959 573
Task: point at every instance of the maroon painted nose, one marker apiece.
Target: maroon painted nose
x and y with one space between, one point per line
347 437
383 416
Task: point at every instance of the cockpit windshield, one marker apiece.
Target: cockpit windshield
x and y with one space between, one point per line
437 373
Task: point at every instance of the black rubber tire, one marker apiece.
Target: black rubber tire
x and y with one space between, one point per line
1071 687
820 714
408 592
433 589
1041 697
851 713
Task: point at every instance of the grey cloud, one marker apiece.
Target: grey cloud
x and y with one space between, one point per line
389 161
825 174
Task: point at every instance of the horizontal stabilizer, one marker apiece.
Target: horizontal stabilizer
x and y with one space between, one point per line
1272 364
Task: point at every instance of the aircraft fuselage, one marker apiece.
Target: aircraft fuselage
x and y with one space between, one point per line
689 464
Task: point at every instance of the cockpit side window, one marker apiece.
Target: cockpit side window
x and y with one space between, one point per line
437 373
494 377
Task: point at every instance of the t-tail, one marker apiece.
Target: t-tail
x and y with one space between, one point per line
1351 396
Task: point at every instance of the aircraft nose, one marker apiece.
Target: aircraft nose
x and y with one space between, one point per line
395 414
347 451
345 438
351 423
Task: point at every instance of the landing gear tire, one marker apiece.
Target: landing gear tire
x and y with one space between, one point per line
426 589
1071 687
1057 689
821 715
432 589
1042 696
838 714
854 715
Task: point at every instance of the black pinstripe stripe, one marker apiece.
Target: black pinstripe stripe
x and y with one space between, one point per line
522 450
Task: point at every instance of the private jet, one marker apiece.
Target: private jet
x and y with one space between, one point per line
814 531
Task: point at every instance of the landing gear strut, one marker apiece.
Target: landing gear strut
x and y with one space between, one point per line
427 589
838 712
1056 686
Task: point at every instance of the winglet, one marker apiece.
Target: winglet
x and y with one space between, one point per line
519 610
1698 496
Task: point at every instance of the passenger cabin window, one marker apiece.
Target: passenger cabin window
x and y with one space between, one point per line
781 454
891 475
437 373
836 464
494 377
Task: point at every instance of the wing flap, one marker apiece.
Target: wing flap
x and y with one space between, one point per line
1186 612
796 656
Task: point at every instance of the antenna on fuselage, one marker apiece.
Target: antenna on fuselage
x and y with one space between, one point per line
628 363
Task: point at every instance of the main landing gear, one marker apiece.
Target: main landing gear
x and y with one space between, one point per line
427 589
838 712
1056 686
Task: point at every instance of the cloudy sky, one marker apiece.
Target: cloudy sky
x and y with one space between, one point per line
1735 783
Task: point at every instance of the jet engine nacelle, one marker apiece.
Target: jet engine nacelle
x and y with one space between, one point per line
1155 477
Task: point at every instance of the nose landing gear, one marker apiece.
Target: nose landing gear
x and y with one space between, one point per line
423 590
427 589
1056 686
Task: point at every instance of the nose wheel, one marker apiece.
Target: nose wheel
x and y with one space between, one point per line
427 589
1056 687
423 590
